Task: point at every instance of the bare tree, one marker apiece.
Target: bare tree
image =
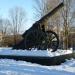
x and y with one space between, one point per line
4 29
0 24
17 18
41 7
4 25
67 16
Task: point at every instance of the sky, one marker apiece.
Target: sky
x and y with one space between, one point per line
27 5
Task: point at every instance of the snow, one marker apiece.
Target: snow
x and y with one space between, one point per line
42 53
12 67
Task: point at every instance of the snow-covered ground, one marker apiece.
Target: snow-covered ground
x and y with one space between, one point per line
46 53
12 67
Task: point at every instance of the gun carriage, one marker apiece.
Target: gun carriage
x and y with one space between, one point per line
38 36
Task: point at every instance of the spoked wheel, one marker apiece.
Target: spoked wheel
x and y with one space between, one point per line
42 40
52 40
34 39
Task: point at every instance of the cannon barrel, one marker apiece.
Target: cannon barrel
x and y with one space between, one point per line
46 17
52 12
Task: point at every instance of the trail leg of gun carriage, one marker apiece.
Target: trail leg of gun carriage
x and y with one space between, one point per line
38 36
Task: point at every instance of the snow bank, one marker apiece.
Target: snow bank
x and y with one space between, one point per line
46 53
12 67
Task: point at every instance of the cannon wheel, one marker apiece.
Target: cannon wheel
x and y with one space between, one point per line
52 40
42 40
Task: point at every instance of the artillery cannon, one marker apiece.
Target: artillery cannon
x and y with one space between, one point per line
38 36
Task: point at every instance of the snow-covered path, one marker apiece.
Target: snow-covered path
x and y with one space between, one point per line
12 67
